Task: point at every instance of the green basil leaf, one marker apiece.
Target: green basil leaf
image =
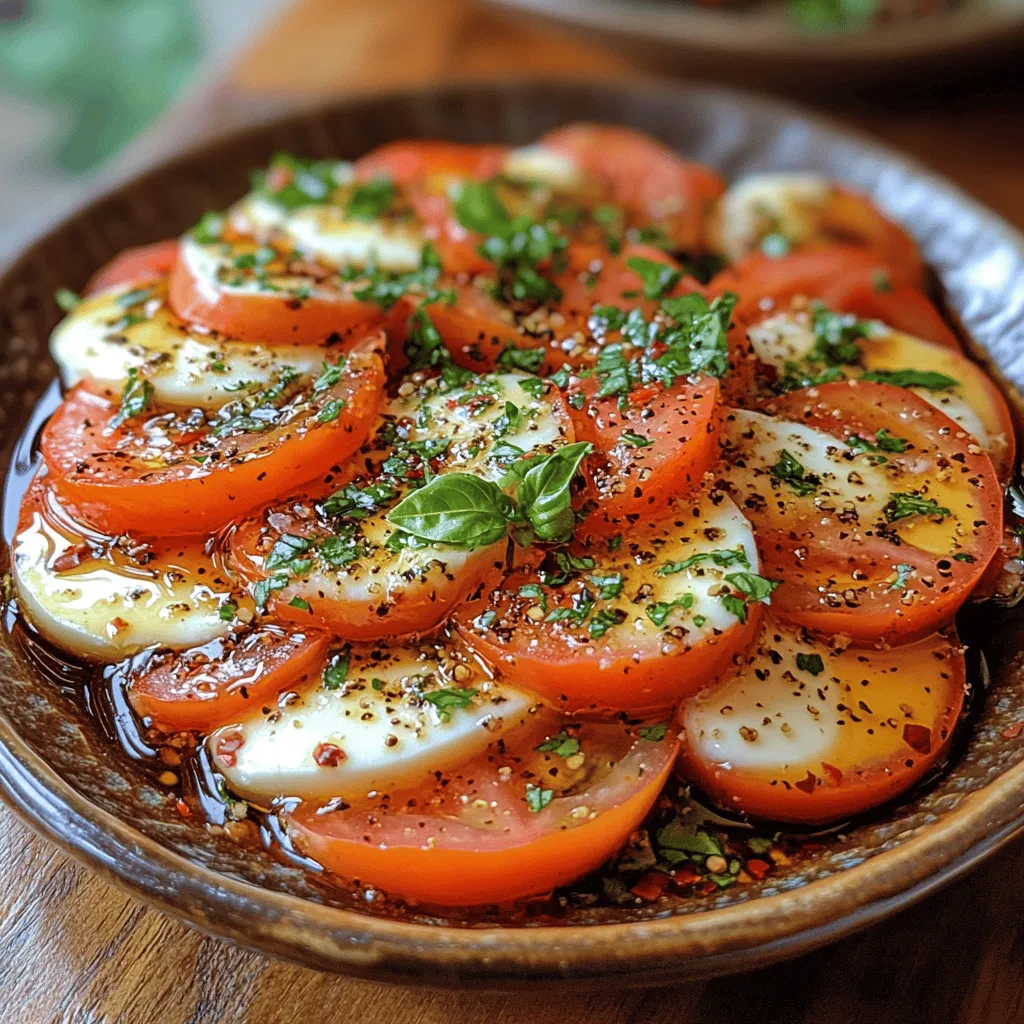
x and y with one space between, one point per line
544 496
457 509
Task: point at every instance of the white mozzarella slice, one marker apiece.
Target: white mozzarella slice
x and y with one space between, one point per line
787 203
377 731
538 164
495 408
186 368
325 234
109 605
756 443
771 713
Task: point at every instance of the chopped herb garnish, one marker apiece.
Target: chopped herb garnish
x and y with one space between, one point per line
628 437
536 798
563 745
836 336
298 602
928 379
723 558
66 299
371 200
331 411
210 228
962 556
450 699
336 669
810 663
262 589
135 397
609 585
226 612
902 505
658 278
658 612
790 472
528 360
901 576
654 733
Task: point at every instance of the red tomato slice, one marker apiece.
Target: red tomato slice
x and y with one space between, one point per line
138 265
848 279
647 456
633 628
803 732
645 176
477 840
412 160
275 316
170 473
222 681
478 329
866 543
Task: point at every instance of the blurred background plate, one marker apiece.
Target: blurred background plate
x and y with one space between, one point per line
763 46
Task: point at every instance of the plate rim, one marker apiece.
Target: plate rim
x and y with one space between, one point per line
658 951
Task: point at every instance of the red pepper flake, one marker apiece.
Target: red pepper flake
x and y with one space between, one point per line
651 886
757 868
919 737
807 785
1011 732
328 755
228 746
183 809
72 558
707 888
685 876
835 776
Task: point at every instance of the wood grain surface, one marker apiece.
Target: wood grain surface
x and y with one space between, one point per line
74 949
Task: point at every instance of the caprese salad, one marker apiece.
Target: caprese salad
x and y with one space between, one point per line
464 505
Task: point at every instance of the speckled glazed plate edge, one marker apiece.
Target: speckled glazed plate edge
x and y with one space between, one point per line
59 774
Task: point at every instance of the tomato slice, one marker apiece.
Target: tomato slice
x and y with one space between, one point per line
788 342
848 279
181 473
645 176
479 329
503 827
288 309
646 456
412 160
137 265
809 733
224 680
875 510
632 624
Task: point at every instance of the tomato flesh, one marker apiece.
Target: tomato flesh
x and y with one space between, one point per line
126 477
139 265
476 839
206 687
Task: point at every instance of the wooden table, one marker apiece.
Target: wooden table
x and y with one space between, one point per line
73 949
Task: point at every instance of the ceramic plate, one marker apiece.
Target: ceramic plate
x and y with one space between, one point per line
65 776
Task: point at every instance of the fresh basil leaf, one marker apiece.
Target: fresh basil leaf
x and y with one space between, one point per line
902 505
449 700
658 278
135 397
478 208
928 379
370 200
544 494
457 509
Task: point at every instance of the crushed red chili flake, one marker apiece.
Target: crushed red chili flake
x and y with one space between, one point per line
918 736
228 746
183 809
328 755
757 868
835 776
1011 732
651 886
807 785
685 876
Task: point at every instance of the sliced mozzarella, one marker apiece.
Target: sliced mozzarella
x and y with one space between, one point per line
323 233
185 367
538 164
787 203
376 731
379 586
87 595
849 483
789 338
493 412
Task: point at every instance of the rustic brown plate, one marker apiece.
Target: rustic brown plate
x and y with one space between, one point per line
64 777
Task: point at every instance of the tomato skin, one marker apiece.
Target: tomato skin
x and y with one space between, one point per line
645 176
435 859
141 264
806 556
270 318
222 681
677 428
847 278
914 696
116 494
412 160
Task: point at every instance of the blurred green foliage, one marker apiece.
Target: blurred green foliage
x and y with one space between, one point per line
109 67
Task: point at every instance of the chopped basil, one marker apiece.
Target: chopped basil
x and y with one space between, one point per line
536 798
835 337
901 576
370 200
450 699
928 379
609 585
534 387
262 589
357 502
962 556
603 620
331 411
528 360
688 839
226 612
653 733
291 183
659 611
66 299
628 437
210 228
336 669
658 278
135 397
790 472
300 603
563 745
902 505
722 558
